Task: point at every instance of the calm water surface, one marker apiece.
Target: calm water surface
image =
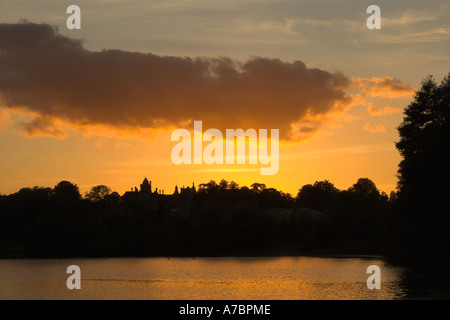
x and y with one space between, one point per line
286 278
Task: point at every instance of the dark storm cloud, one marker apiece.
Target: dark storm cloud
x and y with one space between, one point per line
57 79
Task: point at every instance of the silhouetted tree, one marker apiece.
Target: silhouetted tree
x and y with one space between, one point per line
66 191
366 187
423 221
98 193
223 184
424 142
233 185
113 198
209 187
393 196
271 197
258 187
318 196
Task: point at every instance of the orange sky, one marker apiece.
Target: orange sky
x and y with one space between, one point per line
335 90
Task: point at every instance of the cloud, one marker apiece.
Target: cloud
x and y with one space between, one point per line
386 87
391 110
4 119
379 128
407 18
118 92
276 27
422 35
55 77
44 126
374 111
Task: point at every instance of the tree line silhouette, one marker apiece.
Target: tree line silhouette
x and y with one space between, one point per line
219 218
409 226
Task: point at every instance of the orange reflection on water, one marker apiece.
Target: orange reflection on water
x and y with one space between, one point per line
286 278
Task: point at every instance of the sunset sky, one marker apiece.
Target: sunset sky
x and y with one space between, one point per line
98 105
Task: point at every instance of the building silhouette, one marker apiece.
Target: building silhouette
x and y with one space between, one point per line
159 201
146 186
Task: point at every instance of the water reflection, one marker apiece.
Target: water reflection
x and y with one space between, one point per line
287 278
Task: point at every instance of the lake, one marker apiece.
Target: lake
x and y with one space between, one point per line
278 278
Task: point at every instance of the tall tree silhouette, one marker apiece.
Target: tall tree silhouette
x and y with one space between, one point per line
317 196
66 191
366 187
258 187
424 173
98 193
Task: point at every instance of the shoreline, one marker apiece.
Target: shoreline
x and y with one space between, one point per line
206 256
